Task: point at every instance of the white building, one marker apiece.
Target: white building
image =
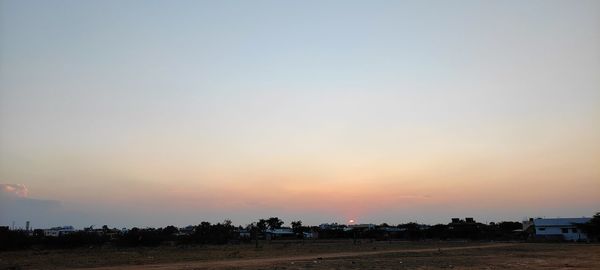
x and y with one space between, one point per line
59 231
244 233
559 228
279 233
310 235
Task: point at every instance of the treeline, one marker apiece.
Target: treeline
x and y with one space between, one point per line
503 231
204 233
226 233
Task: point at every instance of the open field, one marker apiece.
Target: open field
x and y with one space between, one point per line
318 255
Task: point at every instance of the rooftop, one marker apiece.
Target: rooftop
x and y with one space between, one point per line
559 221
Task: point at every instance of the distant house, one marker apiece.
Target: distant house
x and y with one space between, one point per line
310 235
392 229
331 226
59 231
283 232
187 230
244 233
362 226
558 228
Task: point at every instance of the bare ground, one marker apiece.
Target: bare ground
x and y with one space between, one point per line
320 255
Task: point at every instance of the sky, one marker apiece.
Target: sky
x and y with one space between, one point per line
152 113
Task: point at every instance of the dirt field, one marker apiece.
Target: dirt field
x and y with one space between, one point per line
318 255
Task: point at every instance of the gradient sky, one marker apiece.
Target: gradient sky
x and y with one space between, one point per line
135 113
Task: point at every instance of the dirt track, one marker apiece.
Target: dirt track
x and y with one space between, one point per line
299 258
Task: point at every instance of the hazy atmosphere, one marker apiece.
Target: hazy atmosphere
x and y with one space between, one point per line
152 113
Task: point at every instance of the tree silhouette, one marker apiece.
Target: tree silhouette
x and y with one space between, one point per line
262 225
592 227
170 230
274 223
254 232
297 228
